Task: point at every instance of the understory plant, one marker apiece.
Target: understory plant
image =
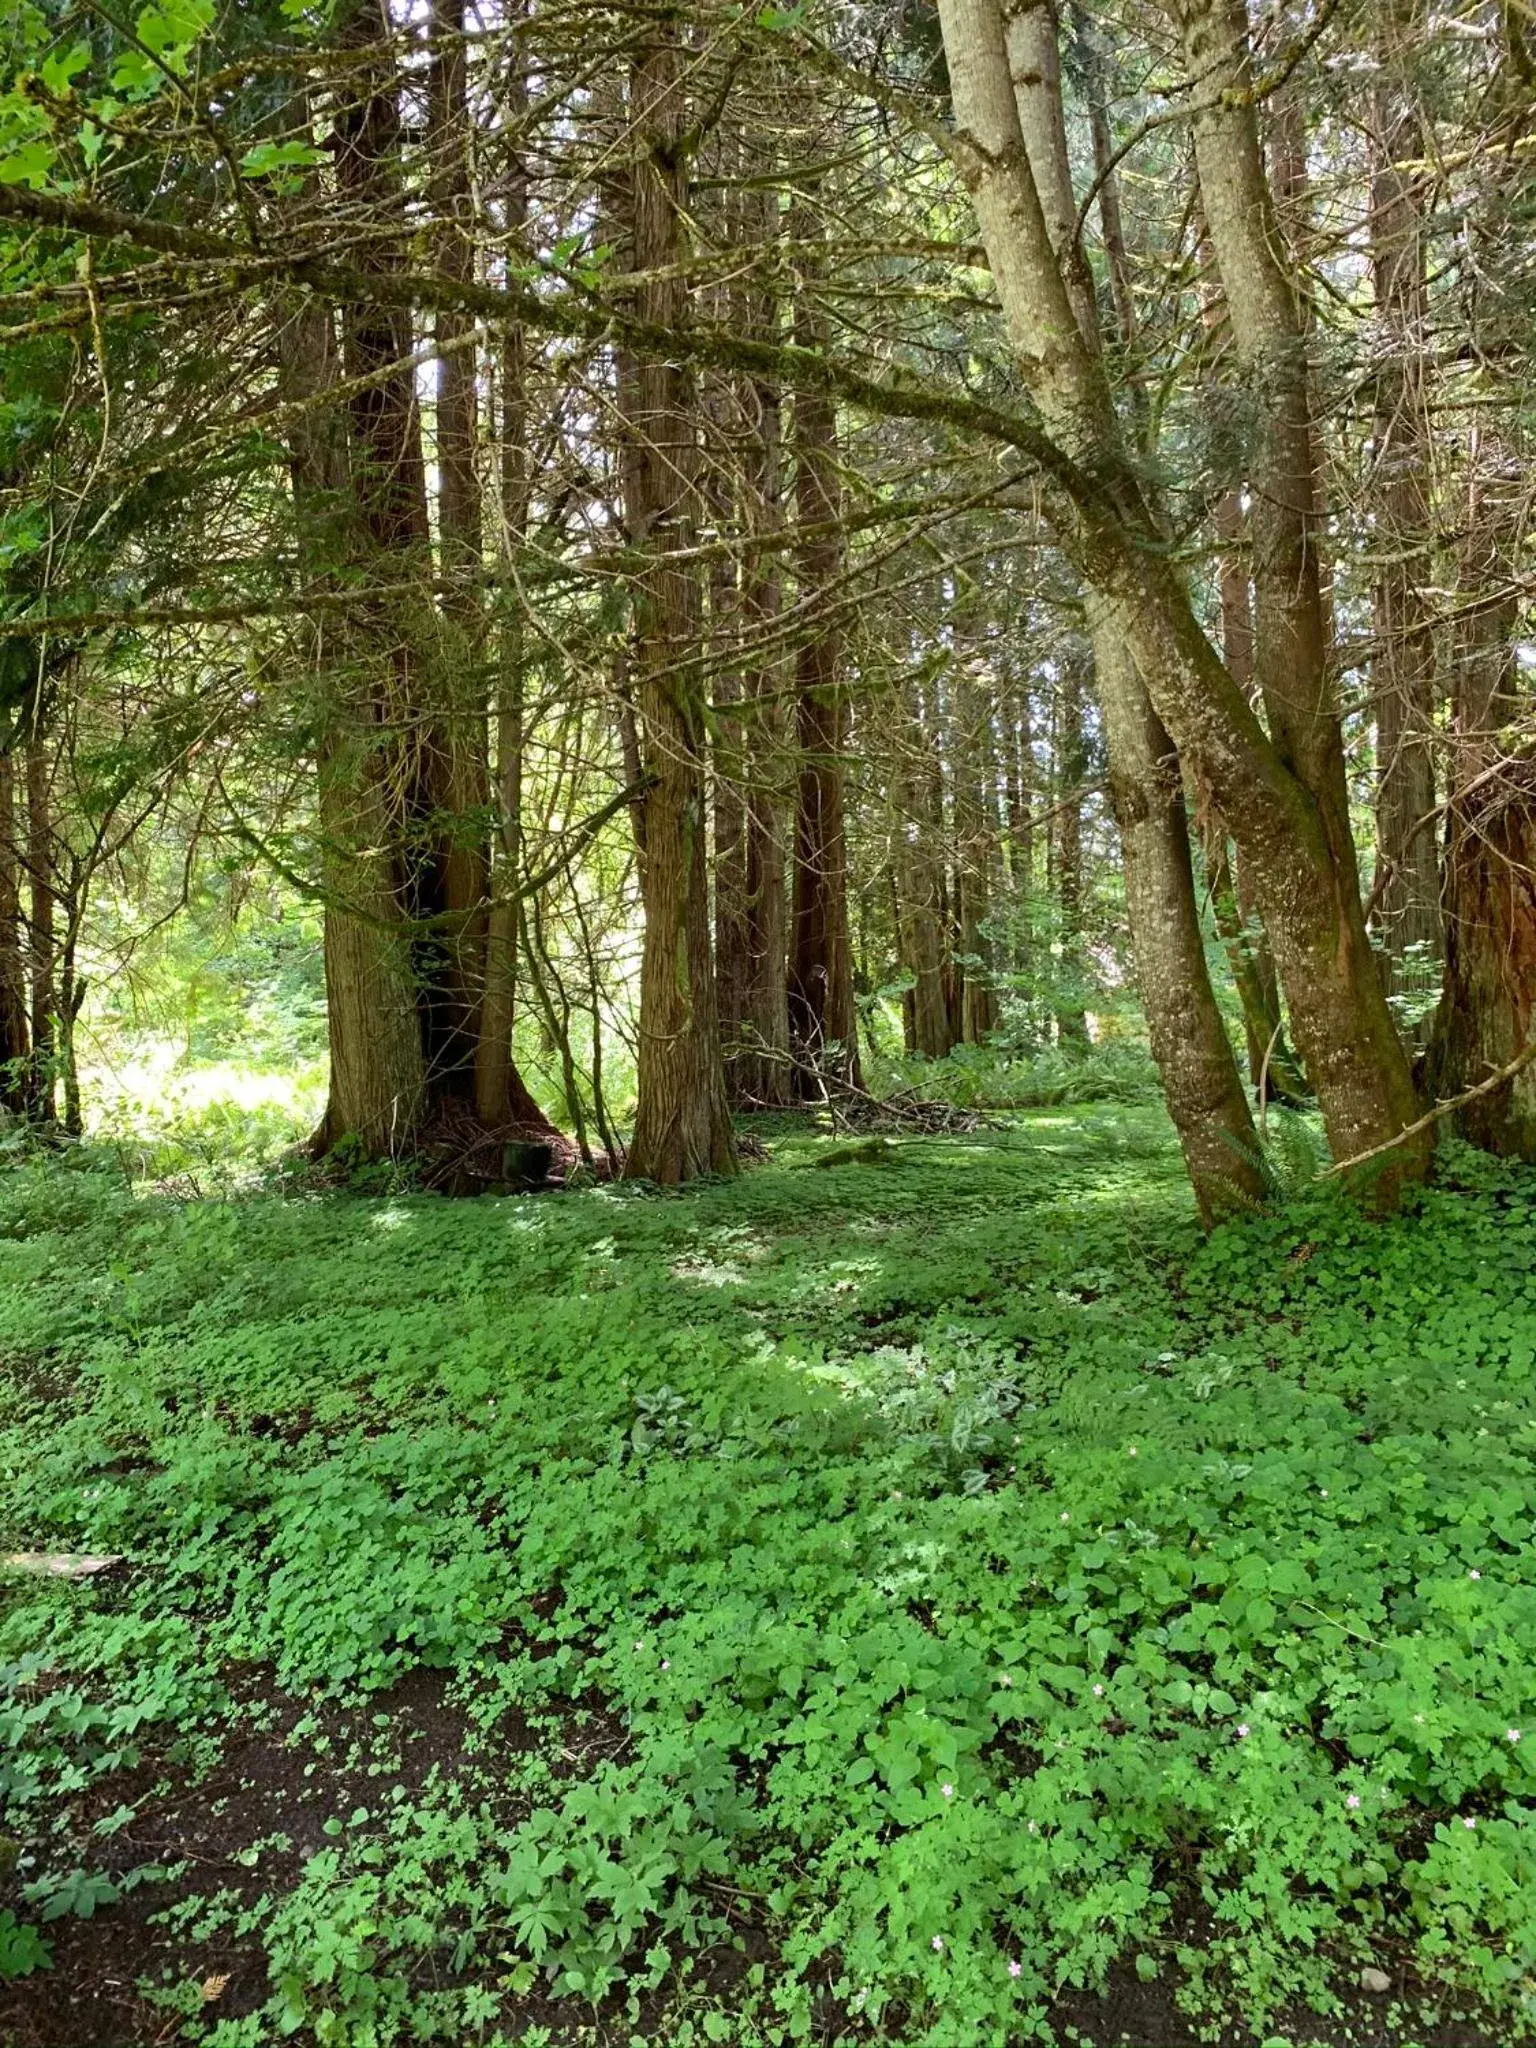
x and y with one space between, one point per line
870 1602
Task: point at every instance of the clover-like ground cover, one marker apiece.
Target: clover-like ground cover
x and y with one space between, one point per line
896 1603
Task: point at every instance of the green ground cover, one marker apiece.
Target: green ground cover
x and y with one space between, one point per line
892 1602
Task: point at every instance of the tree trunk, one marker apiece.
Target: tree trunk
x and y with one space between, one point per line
728 772
377 1079
923 947
42 1074
1189 1039
1488 1008
763 1072
723 492
365 491
682 1120
1488 1001
15 1035
1071 765
1019 794
1292 663
975 856
822 1024
404 793
71 999
1091 58
457 411
456 778
1272 1067
501 1096
1407 891
390 488
1304 880
920 826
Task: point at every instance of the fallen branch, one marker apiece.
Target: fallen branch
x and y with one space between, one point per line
1441 1109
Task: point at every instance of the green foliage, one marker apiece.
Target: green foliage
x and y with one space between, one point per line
960 1577
211 1127
996 1076
22 1948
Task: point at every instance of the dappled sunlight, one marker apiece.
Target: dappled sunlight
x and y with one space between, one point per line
169 1115
767 1024
986 1508
159 1077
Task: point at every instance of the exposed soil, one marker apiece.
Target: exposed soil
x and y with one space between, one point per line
281 1776
1133 2014
286 1769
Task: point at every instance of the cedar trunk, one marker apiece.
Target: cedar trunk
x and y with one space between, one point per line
1408 884
377 1080
456 777
1488 1001
1488 1007
404 790
501 1097
15 1037
761 1071
822 1024
682 1120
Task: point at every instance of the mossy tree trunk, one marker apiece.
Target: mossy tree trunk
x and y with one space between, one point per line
1189 1040
1280 795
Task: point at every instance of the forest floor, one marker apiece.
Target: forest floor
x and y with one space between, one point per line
940 1601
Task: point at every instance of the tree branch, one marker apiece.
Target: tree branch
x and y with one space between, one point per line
1441 1109
898 395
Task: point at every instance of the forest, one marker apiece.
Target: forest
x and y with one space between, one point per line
767 1023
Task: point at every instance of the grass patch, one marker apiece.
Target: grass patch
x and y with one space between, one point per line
894 1602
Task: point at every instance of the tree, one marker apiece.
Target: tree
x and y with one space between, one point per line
1282 795
1487 1010
682 1119
1407 888
822 1024
1205 1095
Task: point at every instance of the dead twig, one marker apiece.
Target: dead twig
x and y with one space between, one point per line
1441 1109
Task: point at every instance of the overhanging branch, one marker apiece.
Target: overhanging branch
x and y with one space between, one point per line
563 314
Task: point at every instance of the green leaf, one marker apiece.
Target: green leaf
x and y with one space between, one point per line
22 1948
279 156
169 28
29 164
63 65
1261 1615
